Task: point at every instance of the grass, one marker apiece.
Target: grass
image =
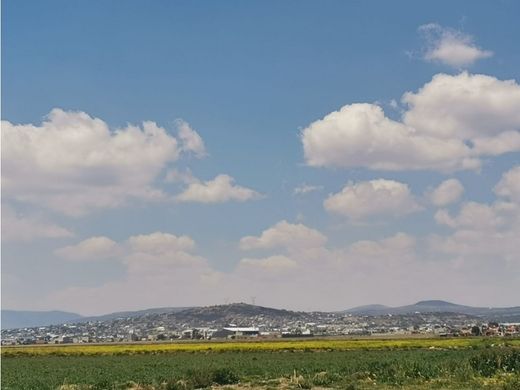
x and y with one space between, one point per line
344 364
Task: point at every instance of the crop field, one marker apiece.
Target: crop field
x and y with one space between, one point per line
256 345
471 363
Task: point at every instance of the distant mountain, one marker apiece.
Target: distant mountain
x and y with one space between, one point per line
241 313
28 319
511 314
364 310
236 312
132 314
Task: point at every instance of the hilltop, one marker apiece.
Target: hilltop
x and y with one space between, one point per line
241 313
504 314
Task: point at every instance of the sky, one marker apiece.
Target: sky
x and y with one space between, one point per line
300 154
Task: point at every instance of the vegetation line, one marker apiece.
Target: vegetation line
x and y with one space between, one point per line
261 345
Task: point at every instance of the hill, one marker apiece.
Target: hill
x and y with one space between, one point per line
241 313
504 314
27 319
238 314
132 314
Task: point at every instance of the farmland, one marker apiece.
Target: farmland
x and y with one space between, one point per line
339 344
330 363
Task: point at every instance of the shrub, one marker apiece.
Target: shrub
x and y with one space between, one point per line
178 385
200 378
512 383
224 376
487 363
511 361
323 379
103 384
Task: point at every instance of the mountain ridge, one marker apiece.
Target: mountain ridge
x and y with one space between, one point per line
32 318
437 306
26 319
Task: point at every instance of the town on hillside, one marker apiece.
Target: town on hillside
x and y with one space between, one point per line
237 321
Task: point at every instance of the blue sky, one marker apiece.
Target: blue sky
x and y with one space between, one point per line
251 80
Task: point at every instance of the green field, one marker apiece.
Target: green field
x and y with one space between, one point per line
354 364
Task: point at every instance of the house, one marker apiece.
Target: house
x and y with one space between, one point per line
234 332
65 339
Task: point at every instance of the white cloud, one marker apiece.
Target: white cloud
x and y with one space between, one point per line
285 235
305 189
177 176
400 242
16 227
372 198
91 249
485 237
364 267
451 47
471 245
350 274
360 135
473 214
509 185
191 140
73 163
141 251
160 269
482 248
220 189
450 124
158 242
273 264
485 233
156 263
448 192
466 107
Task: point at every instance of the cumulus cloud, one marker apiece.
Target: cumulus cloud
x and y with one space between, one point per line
191 141
451 47
155 263
178 176
221 189
448 192
273 264
450 124
140 251
466 107
160 269
285 235
18 227
73 163
372 198
360 135
305 189
485 233
161 253
352 274
91 249
509 185
397 248
473 214
159 242
362 267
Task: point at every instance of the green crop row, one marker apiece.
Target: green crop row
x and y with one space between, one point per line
399 368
